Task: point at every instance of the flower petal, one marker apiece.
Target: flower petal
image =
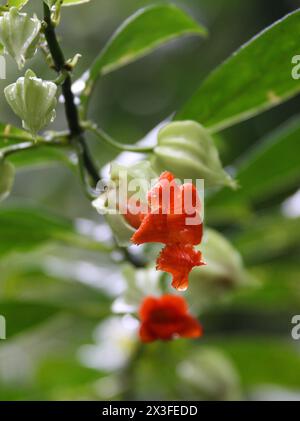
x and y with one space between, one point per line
191 328
179 260
166 318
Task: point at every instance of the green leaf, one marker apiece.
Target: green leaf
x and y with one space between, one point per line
74 2
60 334
51 3
273 165
255 78
7 176
17 3
22 229
71 374
269 237
269 168
276 291
25 228
30 283
140 34
262 361
14 312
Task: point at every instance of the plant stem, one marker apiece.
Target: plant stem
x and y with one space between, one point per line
76 132
53 138
131 258
100 133
128 374
19 147
18 137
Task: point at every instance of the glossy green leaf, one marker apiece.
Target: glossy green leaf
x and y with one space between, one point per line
269 237
14 311
272 166
255 78
277 289
23 284
140 34
60 335
263 361
74 2
51 3
17 3
22 229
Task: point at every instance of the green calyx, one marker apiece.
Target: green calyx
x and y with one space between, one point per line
33 100
124 183
187 150
19 35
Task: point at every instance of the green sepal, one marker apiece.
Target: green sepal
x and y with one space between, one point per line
187 150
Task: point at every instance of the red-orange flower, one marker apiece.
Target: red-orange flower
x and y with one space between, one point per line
170 211
166 318
173 219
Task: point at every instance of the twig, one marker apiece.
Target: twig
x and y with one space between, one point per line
100 133
76 132
23 146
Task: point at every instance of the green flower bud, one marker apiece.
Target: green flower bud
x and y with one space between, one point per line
19 34
121 230
33 100
223 273
7 176
187 150
115 193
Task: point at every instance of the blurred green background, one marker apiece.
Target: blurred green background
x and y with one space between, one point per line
56 284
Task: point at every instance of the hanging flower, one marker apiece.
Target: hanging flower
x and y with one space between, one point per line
166 318
173 219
